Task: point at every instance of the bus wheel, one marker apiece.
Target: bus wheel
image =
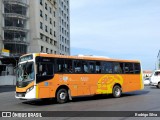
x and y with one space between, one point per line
62 96
117 91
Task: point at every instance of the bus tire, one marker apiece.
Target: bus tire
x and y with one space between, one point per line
117 91
62 96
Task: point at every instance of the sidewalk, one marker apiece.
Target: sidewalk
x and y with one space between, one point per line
7 88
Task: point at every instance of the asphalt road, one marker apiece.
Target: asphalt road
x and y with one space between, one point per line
145 100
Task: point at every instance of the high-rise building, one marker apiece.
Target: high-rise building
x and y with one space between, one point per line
64 26
33 26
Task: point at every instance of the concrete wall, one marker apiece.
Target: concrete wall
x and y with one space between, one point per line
8 80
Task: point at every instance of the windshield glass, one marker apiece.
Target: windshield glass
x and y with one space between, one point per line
25 72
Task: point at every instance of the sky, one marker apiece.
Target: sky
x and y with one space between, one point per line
121 29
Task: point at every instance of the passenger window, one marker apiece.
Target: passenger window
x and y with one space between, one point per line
118 67
137 68
85 67
92 67
107 67
128 68
64 66
68 68
60 65
98 67
77 66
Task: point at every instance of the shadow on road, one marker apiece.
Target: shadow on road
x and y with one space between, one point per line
7 88
40 102
136 93
154 87
83 99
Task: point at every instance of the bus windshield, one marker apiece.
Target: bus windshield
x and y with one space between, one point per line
26 72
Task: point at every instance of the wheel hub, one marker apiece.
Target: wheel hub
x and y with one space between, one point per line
62 96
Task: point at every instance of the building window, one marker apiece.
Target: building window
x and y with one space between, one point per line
42 48
51 31
46 28
54 33
62 30
65 41
67 19
46 6
41 25
62 39
54 24
46 17
51 41
54 14
68 42
67 3
47 39
55 43
46 50
41 13
51 51
67 11
41 36
65 49
50 9
60 47
51 21
41 3
67 26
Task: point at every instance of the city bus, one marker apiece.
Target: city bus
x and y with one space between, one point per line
45 76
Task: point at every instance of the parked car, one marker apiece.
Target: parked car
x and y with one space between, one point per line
155 78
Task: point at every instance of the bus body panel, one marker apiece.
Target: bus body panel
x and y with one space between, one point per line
81 85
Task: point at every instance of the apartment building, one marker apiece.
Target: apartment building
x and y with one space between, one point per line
29 26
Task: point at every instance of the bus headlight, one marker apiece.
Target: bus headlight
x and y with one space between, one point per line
29 89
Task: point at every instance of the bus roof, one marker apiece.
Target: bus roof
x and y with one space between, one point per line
83 57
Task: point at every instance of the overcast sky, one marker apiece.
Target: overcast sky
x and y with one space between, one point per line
125 29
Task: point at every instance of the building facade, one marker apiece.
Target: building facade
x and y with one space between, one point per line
33 26
64 26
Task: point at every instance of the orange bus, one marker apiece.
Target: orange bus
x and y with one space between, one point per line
41 76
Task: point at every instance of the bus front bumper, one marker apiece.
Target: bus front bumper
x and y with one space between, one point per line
29 95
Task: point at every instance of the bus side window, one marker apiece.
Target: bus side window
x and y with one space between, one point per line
77 66
68 66
117 68
137 68
60 65
98 67
92 67
45 69
128 68
107 67
85 67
